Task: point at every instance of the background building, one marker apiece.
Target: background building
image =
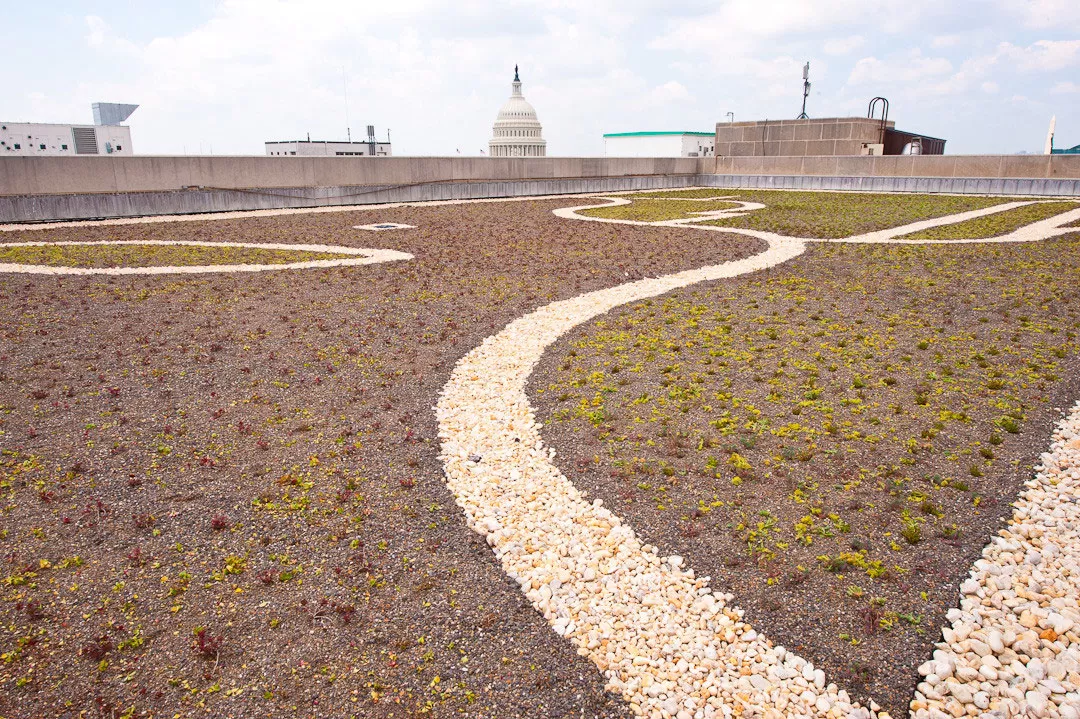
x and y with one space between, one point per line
821 136
322 148
659 144
105 137
517 131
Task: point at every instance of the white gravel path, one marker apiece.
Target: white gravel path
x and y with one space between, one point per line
244 214
1013 648
667 643
1041 230
362 257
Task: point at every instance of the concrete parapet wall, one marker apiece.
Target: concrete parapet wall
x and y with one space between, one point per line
42 189
80 175
39 208
983 166
1045 187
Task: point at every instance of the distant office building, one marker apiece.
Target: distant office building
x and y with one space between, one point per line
659 144
517 131
330 148
37 139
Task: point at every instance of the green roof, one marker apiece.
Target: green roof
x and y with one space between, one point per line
646 134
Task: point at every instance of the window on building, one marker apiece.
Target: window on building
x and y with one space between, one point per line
119 147
292 153
63 147
41 147
18 146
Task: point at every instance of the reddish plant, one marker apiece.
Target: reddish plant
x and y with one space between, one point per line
144 520
219 522
346 611
96 648
33 610
94 511
207 645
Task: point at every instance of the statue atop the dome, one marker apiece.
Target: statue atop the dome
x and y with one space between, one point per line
516 78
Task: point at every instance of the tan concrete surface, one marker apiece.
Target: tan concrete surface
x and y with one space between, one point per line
90 175
991 166
70 175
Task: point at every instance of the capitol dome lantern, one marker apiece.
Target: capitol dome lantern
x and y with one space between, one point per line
517 131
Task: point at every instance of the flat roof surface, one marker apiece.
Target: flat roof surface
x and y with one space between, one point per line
645 134
326 142
58 124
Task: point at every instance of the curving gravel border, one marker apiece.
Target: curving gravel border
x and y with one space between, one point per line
243 214
1013 646
667 643
1041 230
363 257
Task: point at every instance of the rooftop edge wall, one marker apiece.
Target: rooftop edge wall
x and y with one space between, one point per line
148 173
983 166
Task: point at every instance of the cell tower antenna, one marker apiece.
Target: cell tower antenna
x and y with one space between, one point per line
805 90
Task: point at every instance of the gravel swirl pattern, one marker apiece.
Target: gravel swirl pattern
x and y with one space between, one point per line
363 257
666 642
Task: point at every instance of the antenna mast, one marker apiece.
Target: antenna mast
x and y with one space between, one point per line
805 90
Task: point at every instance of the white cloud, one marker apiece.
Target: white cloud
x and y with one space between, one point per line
1064 87
989 87
97 29
942 41
1043 55
1045 14
905 68
844 45
671 91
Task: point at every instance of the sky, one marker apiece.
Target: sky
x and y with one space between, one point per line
223 77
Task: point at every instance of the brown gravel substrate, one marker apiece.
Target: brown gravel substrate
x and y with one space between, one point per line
678 413
256 455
